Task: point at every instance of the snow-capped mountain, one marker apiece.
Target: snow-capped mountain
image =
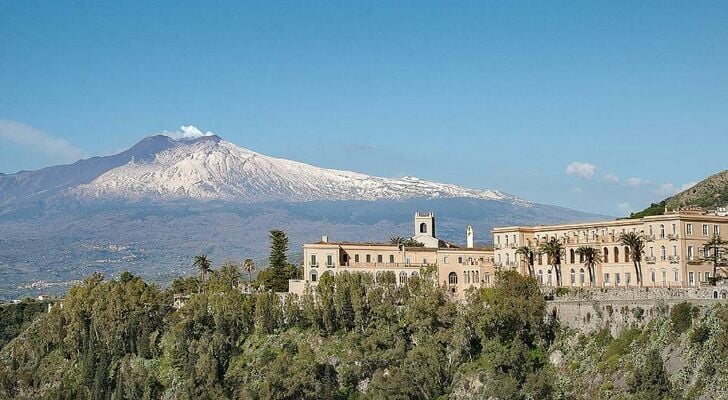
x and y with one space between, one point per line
209 168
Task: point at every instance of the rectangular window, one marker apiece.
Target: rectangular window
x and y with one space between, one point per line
356 258
329 260
627 278
606 278
674 251
689 229
497 239
379 258
313 260
716 229
690 253
391 258
676 275
674 229
460 259
652 251
407 261
691 278
444 260
617 279
369 258
705 229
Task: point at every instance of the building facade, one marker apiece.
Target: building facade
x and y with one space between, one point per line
673 256
455 268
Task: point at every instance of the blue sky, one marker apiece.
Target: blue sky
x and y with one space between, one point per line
599 106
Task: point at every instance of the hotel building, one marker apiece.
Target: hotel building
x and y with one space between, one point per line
455 268
673 256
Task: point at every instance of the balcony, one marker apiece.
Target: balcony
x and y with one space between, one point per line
313 265
673 236
695 261
330 265
650 238
674 259
650 260
497 247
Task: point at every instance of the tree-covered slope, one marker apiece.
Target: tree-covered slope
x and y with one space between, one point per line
355 339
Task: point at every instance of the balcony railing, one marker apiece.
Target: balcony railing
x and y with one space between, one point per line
313 265
385 265
650 260
674 259
673 236
650 238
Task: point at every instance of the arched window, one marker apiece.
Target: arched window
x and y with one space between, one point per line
581 276
402 277
466 275
540 276
452 278
548 278
508 259
652 275
664 275
314 276
423 228
715 294
572 259
414 273
378 276
606 255
573 276
663 253
477 277
662 231
626 254
540 259
616 254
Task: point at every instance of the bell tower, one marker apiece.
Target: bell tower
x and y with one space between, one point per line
424 224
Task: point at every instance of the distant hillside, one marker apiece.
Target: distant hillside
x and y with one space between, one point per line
710 192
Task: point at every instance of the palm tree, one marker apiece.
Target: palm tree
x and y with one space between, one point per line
636 248
203 264
398 240
591 257
554 250
529 253
712 251
249 266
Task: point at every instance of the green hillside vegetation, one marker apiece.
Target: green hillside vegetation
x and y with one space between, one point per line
14 318
355 339
710 192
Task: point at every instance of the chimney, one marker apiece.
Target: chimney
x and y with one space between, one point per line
469 237
325 239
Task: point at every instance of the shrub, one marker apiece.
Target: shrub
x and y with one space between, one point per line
638 313
700 334
682 316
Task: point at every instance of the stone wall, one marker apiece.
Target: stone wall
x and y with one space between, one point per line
589 310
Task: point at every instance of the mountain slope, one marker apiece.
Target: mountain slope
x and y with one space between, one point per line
212 169
710 192
30 186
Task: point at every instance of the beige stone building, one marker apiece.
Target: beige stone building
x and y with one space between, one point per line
456 268
674 250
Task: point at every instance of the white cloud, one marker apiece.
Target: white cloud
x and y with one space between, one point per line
688 185
670 189
611 178
187 132
576 190
634 182
33 139
624 208
582 169
666 188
